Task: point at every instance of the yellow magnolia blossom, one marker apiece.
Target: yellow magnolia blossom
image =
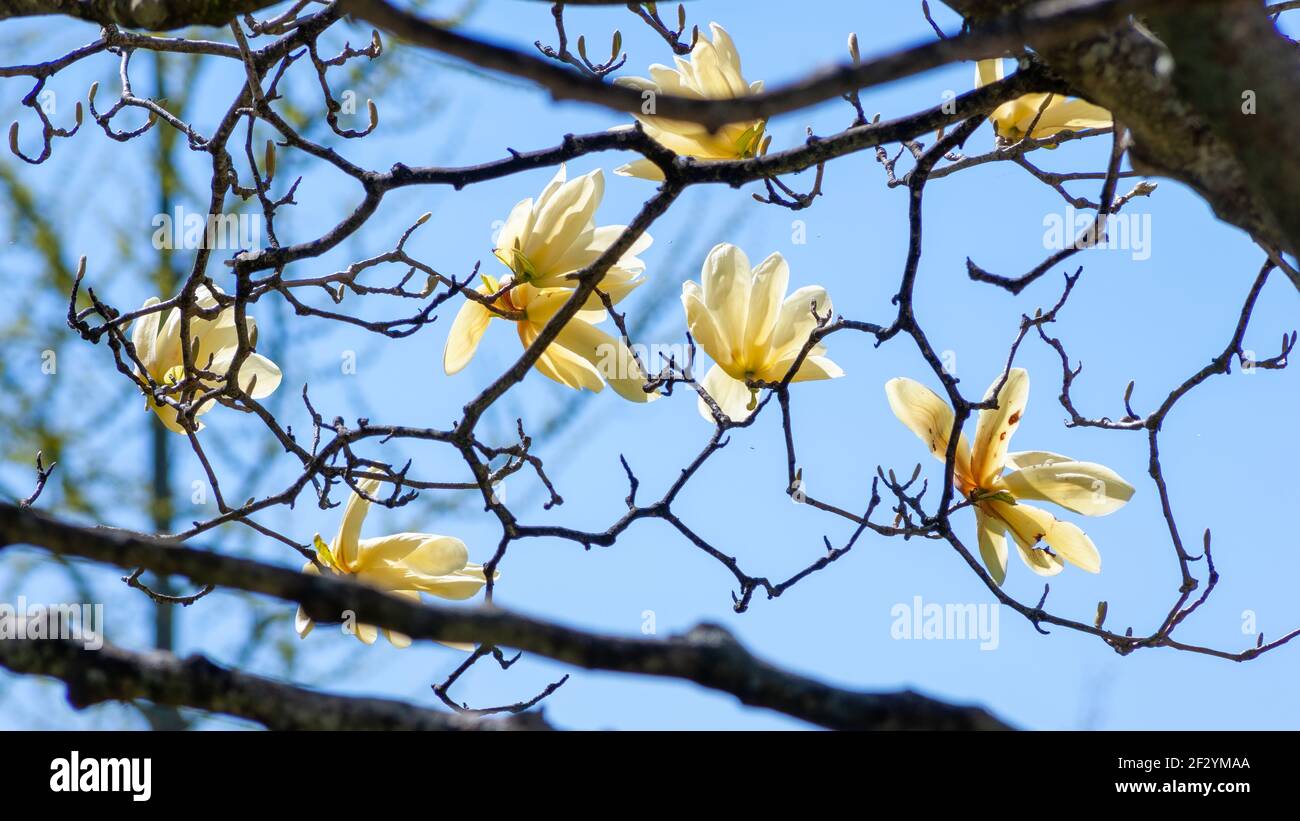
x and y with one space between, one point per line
743 320
1012 120
712 73
543 243
213 342
998 498
403 564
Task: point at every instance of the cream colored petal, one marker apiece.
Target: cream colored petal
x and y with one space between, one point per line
568 369
590 245
438 555
216 334
460 585
709 75
686 70
1083 487
996 426
346 544
989 71
563 218
728 61
732 395
167 349
541 305
667 80
993 545
703 326
1069 542
812 368
206 297
367 633
1028 525
641 169
518 226
258 375
1034 458
1040 561
404 548
605 235
466 331
771 278
301 624
726 279
611 358
1021 112
617 284
557 181
386 576
1065 114
399 640
690 139
930 418
170 418
560 364
214 337
266 372
144 334
796 320
1031 526
1006 120
594 316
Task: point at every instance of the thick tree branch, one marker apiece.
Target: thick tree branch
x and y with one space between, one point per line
154 15
1184 109
1056 21
1242 77
114 674
707 655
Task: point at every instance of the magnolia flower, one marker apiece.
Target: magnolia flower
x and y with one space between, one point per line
403 564
213 342
1082 487
543 243
1012 120
712 73
751 329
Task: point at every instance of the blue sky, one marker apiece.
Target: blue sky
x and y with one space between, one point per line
1228 448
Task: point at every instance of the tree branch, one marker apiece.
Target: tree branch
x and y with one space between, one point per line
1183 107
154 15
706 655
1056 21
114 674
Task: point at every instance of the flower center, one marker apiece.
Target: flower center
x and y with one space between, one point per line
518 263
747 144
978 495
327 557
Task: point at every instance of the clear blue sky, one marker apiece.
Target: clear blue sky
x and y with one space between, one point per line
1229 448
